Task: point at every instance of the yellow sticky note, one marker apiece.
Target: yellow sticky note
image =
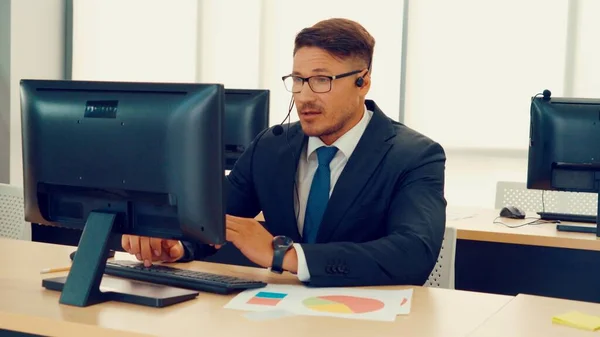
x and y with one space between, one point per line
578 320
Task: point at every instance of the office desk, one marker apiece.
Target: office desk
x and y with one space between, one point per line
528 316
533 259
435 312
481 227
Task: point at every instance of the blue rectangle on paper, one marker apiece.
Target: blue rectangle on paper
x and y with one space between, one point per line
265 294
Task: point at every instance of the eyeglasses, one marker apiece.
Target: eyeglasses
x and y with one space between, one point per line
318 84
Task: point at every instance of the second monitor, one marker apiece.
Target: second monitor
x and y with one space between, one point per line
246 115
564 151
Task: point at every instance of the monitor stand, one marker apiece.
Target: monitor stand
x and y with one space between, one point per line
579 218
82 287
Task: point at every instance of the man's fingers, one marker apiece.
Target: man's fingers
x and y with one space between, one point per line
125 243
167 244
172 250
146 250
233 225
156 246
134 243
231 235
176 251
234 220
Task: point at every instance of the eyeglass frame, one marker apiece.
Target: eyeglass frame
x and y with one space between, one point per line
331 79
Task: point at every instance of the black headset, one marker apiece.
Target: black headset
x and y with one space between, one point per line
360 81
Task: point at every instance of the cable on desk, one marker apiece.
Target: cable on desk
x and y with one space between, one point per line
537 221
543 203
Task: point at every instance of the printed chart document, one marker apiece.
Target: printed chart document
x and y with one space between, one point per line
352 303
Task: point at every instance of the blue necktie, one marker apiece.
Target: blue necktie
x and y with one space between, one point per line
318 195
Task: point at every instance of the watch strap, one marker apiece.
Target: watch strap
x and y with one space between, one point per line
278 255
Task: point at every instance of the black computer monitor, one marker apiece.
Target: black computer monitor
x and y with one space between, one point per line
122 158
564 147
246 115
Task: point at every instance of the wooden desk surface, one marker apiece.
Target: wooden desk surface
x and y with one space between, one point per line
435 312
53 327
528 315
481 227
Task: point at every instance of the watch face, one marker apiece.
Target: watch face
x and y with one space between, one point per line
282 242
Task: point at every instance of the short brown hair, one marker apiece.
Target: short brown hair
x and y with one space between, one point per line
342 38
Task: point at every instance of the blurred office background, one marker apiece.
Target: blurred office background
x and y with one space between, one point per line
462 72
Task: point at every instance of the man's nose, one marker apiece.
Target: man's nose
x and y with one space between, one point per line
305 95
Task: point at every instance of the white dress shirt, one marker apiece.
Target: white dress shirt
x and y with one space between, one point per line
307 165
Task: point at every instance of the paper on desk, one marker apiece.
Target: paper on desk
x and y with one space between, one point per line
352 303
266 315
406 302
578 320
456 214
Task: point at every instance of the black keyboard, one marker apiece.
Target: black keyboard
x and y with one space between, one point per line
180 278
567 217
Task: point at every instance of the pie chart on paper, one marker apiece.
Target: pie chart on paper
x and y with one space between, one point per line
341 304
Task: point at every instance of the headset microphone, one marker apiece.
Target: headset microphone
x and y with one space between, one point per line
278 129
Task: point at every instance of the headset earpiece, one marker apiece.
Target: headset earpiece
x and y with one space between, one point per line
360 81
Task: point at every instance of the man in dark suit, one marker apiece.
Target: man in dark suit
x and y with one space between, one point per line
349 196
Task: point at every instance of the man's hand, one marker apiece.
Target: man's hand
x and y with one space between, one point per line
251 238
152 249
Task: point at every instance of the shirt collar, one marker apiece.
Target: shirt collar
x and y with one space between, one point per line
347 142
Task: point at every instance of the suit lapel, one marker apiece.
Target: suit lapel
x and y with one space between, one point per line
288 158
367 155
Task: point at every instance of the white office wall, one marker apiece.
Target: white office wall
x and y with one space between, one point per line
4 91
242 44
229 43
472 68
473 65
36 52
587 56
471 175
283 19
135 40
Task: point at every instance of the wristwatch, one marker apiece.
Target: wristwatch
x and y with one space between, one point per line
281 244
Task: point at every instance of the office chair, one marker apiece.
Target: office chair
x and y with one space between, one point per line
12 223
442 275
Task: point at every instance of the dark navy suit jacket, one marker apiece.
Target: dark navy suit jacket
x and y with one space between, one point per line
385 220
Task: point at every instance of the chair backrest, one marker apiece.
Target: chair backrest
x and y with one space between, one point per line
442 275
12 223
509 193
